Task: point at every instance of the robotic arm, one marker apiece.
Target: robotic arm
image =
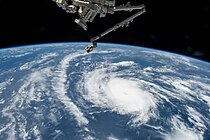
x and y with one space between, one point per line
125 23
88 9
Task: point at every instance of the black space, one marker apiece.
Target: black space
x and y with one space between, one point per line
171 25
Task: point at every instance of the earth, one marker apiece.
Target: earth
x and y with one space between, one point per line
59 92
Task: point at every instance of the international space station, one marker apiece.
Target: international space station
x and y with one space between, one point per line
88 9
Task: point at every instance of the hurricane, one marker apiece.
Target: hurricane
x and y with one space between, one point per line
58 91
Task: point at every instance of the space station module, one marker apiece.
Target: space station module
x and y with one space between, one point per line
88 9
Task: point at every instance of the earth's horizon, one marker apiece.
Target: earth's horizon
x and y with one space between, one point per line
103 43
58 91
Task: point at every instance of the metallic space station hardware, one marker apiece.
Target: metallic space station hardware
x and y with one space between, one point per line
88 9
